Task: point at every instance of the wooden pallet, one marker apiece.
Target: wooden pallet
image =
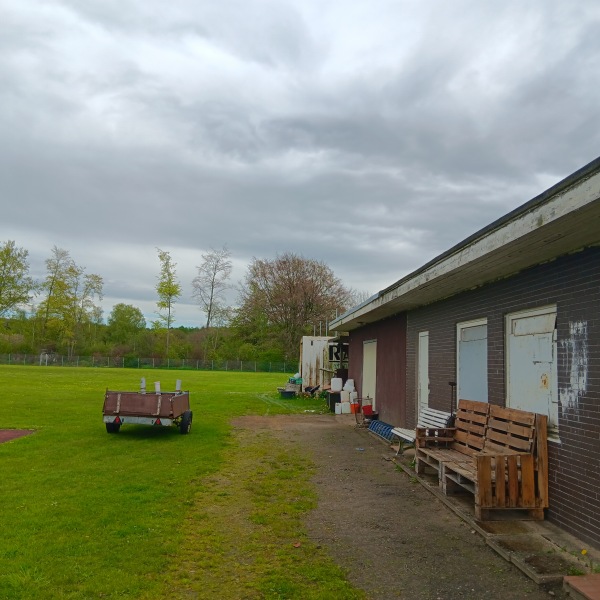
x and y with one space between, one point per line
498 454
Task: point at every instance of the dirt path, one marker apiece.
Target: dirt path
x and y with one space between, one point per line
394 538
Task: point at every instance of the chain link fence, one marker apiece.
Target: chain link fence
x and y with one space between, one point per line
59 360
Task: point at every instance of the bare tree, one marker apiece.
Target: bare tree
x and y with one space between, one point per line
212 281
291 293
356 297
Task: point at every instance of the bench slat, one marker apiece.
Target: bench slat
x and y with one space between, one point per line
406 434
512 414
513 481
519 444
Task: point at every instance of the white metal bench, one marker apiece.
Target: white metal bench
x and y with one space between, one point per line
429 417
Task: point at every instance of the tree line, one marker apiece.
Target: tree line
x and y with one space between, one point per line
278 301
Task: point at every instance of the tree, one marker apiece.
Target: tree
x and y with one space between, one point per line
290 294
125 324
71 302
15 284
356 297
210 284
168 290
58 267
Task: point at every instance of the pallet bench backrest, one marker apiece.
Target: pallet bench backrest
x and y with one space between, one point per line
470 427
510 430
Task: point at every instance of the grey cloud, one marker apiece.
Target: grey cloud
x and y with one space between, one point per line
369 138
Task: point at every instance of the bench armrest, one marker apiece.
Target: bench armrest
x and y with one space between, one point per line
517 472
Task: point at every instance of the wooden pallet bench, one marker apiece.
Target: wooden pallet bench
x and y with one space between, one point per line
498 454
428 418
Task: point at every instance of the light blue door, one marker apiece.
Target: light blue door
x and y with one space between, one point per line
531 368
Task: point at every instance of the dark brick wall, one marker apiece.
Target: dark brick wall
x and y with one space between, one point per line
573 284
391 365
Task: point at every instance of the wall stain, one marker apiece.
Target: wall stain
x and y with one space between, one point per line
575 349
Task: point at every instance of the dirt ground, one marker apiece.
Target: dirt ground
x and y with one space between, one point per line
393 537
7 435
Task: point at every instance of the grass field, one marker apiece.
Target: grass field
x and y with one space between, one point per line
150 513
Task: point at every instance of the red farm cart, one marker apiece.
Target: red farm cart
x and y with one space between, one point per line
161 409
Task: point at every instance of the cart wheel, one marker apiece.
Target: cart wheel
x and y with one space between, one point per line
186 422
113 427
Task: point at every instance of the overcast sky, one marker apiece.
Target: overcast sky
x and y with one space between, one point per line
369 135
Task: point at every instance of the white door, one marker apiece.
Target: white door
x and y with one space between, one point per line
369 373
472 376
423 371
531 363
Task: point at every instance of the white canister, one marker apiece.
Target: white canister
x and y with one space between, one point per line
336 384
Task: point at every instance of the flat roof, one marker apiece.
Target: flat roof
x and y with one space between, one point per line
563 219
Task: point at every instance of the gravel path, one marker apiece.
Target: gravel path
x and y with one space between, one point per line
392 536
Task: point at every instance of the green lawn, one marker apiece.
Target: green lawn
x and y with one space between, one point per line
86 514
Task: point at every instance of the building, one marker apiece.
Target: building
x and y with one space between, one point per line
511 316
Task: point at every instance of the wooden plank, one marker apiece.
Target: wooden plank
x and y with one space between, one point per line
474 406
500 482
541 447
493 448
476 428
527 481
512 414
513 481
519 444
466 437
466 470
466 417
484 496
